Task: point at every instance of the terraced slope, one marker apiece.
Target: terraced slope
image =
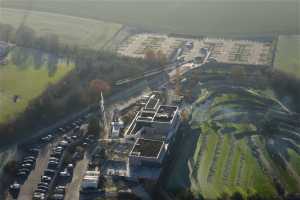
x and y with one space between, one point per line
248 141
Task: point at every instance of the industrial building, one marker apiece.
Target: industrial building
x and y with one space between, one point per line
153 129
146 158
140 152
158 124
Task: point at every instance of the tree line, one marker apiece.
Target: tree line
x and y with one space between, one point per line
94 71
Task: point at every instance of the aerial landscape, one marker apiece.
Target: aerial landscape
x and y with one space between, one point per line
162 100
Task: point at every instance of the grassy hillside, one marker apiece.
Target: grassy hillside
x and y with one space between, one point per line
221 18
288 55
70 30
27 80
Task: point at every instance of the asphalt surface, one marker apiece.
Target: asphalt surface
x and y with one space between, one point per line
72 191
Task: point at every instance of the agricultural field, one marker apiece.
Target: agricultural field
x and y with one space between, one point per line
288 55
25 77
71 30
213 18
234 143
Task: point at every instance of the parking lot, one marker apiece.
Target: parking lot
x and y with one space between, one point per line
221 50
137 45
43 165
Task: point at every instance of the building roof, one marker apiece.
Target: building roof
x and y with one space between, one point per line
153 101
165 113
147 148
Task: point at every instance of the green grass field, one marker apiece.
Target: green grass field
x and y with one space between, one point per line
221 18
70 30
26 81
288 55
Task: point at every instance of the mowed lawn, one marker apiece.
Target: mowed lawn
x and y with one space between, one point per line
27 82
288 55
70 30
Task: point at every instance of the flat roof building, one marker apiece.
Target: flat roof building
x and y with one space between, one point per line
146 158
150 135
162 122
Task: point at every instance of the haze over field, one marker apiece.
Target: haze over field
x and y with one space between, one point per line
71 30
153 99
219 18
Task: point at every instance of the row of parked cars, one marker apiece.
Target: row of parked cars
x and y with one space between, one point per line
43 187
28 162
24 168
53 170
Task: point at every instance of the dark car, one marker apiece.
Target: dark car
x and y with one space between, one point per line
43 184
42 187
40 191
47 138
27 165
59 191
49 172
32 161
62 130
58 197
14 190
29 157
26 170
34 151
52 165
21 176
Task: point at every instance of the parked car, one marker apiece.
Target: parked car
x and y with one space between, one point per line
38 196
27 165
43 184
41 191
64 174
34 151
59 191
46 179
30 157
49 172
42 187
47 138
26 170
14 190
62 130
54 159
58 197
32 161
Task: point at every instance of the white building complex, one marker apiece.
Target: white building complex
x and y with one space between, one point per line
153 129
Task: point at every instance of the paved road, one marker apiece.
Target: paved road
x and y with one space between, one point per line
72 192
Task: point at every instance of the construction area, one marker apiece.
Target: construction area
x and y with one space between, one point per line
189 49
